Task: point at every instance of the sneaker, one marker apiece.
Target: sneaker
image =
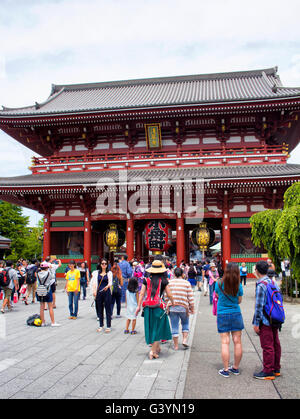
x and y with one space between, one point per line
118 316
107 330
264 376
55 324
234 370
224 373
126 332
277 373
99 329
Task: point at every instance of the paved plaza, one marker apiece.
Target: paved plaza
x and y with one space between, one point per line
74 361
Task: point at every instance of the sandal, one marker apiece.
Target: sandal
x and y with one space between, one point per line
153 355
99 329
134 332
126 332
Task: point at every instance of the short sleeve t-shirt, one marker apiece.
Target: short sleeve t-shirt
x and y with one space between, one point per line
228 304
164 284
72 278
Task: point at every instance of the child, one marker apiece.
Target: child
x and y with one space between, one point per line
132 294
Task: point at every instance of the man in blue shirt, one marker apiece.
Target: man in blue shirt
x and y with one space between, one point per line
268 334
126 274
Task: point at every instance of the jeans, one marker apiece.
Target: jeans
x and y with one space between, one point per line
83 288
271 348
104 300
73 308
175 316
211 291
124 289
116 298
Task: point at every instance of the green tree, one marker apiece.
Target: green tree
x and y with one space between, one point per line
13 225
26 241
33 246
279 232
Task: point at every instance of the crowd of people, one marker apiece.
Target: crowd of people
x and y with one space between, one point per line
162 291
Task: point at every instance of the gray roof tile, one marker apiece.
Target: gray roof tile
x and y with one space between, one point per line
164 91
267 172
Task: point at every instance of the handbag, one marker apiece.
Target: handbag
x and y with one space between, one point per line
215 304
23 289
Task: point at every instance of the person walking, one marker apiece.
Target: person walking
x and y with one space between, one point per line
156 322
31 271
8 288
199 274
126 274
132 296
213 276
117 283
229 291
243 273
84 278
101 287
54 264
44 292
205 277
182 307
73 289
21 274
268 333
191 275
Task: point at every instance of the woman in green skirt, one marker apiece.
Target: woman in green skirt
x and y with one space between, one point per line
156 320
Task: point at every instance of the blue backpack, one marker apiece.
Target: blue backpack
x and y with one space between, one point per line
273 308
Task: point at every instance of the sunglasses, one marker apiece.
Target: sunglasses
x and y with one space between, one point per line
103 263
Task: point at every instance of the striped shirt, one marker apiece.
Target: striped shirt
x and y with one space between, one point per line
182 294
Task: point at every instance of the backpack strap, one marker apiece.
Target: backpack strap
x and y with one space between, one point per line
45 279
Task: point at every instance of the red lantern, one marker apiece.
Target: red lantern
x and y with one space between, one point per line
158 236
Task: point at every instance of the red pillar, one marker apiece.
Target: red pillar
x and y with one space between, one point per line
226 250
100 244
130 238
47 237
180 239
139 244
87 239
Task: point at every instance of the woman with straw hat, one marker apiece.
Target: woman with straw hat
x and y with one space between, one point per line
156 321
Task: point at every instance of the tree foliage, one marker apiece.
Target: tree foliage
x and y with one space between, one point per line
263 225
279 232
26 241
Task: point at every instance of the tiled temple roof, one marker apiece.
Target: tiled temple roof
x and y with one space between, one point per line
268 172
156 92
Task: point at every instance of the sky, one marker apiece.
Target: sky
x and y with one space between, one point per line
45 42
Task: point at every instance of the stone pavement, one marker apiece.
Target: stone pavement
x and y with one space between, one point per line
73 361
203 380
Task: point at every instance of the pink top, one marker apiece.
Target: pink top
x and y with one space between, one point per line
212 277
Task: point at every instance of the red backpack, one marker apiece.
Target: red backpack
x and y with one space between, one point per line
156 301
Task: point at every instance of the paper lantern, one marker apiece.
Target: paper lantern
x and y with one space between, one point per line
158 236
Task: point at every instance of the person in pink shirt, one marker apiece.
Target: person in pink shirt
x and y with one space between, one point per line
213 276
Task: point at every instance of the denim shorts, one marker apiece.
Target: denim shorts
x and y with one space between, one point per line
231 322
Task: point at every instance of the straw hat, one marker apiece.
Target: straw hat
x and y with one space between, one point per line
157 267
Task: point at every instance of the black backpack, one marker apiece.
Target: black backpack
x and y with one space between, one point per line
115 285
4 278
30 277
31 319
